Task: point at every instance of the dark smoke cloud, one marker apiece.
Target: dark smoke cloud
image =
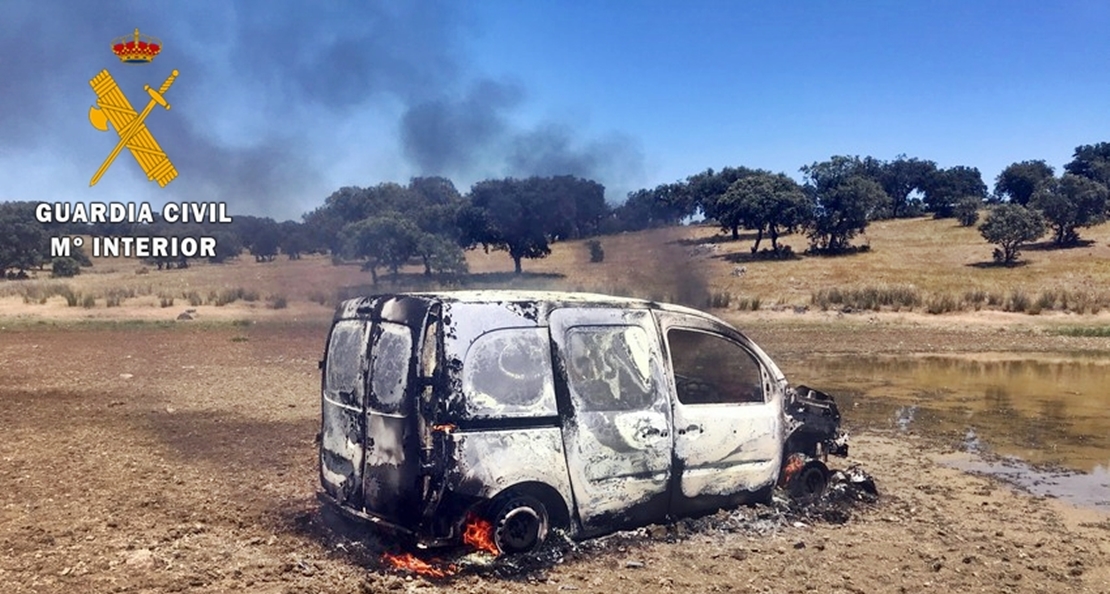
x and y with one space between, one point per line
265 89
457 137
451 137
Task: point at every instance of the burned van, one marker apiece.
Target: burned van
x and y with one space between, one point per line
540 410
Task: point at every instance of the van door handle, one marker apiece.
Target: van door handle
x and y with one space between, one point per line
647 432
690 429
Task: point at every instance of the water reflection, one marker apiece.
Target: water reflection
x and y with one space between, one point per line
1047 409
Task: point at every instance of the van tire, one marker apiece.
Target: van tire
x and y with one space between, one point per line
810 482
520 523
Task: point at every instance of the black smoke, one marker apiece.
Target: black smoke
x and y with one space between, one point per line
265 91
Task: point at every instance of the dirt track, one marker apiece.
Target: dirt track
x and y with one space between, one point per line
146 459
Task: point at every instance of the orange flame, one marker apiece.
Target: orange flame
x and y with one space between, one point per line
409 562
793 465
478 533
444 427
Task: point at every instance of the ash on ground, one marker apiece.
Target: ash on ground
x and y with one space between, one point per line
847 490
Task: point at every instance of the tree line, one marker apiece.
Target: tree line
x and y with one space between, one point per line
429 222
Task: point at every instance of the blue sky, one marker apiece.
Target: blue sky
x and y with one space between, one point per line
280 103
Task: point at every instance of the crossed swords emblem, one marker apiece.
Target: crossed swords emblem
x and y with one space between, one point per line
112 106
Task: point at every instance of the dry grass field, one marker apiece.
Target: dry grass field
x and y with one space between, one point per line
920 265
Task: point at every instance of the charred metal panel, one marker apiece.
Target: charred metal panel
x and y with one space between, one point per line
616 433
728 441
343 426
507 374
491 461
392 448
464 323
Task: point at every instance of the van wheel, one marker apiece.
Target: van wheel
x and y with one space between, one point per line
810 482
520 523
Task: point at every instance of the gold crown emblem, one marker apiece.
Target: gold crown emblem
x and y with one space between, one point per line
136 49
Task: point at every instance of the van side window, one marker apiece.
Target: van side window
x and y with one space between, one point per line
344 365
710 369
609 368
390 365
507 373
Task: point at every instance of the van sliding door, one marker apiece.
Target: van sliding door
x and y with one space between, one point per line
617 437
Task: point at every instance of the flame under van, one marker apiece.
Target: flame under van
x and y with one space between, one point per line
540 410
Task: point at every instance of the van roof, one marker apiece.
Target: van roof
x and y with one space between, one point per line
552 297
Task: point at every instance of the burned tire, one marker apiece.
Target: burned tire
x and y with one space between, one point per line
520 523
810 482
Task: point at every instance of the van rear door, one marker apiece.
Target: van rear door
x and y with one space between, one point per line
389 481
616 436
369 452
343 408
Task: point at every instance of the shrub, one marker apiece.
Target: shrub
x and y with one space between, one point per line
597 253
967 210
873 298
975 298
720 299
278 302
230 296
1018 301
318 297
115 297
939 304
165 300
88 302
1099 331
71 297
1046 300
1008 226
748 304
65 267
193 298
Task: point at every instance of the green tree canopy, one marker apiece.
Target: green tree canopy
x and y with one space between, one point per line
260 235
946 186
384 241
707 189
1091 161
508 214
842 212
770 203
1069 203
24 242
1008 226
902 177
1018 181
648 209
967 210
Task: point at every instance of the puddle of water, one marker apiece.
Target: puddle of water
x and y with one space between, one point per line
1034 409
1088 489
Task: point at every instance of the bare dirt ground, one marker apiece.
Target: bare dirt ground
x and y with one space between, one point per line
143 458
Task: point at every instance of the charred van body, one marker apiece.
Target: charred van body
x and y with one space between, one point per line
536 410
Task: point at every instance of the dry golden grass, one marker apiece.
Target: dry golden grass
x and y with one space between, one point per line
947 266
924 265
